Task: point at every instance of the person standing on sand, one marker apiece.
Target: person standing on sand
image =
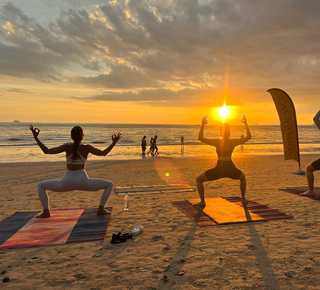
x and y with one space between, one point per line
76 177
182 144
314 165
225 167
144 145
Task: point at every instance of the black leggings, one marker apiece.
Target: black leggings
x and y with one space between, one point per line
223 169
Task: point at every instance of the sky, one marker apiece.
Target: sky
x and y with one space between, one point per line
157 61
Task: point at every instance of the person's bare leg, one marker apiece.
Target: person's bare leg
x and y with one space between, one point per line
199 181
243 187
44 214
102 211
310 178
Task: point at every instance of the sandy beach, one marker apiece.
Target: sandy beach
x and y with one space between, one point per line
172 252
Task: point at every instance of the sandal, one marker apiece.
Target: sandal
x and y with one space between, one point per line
125 235
116 239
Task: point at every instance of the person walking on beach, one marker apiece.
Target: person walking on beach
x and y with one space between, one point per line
155 147
151 149
144 145
75 177
314 165
225 167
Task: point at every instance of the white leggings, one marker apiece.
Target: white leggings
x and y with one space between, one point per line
74 180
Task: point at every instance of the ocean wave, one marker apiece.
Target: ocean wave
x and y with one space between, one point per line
14 139
98 142
19 145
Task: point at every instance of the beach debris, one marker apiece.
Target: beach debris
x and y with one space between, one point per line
291 274
3 272
80 276
165 279
181 273
6 279
157 238
166 248
157 270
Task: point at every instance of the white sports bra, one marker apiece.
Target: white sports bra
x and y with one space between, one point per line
78 161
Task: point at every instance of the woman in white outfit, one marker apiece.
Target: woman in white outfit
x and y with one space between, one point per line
76 177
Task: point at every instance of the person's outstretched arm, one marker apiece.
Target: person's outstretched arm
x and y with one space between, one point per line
44 148
212 142
246 138
244 121
98 152
316 120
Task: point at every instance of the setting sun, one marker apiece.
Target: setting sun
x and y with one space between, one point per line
224 112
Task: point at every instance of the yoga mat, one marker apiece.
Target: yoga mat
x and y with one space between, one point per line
253 209
12 224
262 210
152 189
194 213
64 226
90 226
299 191
225 212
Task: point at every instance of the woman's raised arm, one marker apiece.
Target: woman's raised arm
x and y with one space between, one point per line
212 142
98 152
44 148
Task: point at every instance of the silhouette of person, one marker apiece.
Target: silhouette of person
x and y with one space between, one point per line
182 144
144 145
225 167
155 147
314 165
242 136
151 148
75 177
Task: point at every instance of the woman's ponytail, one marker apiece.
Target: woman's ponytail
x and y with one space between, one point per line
76 136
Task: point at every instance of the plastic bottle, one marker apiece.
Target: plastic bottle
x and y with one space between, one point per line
126 202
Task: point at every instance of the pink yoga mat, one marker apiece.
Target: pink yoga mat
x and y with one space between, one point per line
45 232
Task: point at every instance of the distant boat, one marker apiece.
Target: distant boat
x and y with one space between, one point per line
16 121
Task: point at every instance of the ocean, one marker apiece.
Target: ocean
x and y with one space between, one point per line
17 143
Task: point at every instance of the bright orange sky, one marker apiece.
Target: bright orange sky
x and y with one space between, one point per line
165 62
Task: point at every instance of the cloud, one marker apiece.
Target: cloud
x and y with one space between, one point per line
23 91
168 51
165 97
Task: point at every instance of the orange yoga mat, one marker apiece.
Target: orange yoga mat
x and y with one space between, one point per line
24 230
228 210
39 232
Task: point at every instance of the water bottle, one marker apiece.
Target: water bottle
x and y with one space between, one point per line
126 202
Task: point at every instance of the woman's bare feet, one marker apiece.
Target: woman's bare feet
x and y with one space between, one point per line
309 192
200 204
102 211
244 202
44 214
